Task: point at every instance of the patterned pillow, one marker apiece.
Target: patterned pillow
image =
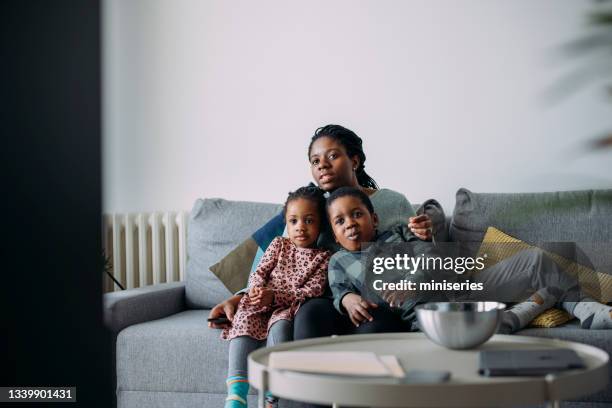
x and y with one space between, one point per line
234 269
596 285
551 318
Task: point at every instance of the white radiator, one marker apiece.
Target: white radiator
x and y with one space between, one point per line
145 248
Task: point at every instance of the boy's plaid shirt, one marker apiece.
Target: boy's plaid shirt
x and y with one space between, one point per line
345 272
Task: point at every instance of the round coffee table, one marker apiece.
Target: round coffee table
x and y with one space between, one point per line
414 351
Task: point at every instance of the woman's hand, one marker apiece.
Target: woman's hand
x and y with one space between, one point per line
357 308
421 226
226 308
261 296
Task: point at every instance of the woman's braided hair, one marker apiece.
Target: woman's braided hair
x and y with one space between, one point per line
353 145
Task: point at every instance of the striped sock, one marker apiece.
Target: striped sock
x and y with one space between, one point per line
523 313
237 390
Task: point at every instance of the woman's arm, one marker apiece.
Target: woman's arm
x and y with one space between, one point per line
393 208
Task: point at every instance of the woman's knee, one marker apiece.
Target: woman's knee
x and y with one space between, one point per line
315 318
382 326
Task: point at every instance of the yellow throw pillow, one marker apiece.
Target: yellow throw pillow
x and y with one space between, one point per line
551 318
596 285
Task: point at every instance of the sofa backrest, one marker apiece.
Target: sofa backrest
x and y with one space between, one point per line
582 217
216 226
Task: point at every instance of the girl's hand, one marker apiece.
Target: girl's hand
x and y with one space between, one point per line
254 293
421 226
357 308
265 297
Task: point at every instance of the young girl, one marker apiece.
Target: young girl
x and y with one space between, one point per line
291 270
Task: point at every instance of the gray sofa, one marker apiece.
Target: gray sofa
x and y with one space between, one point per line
167 357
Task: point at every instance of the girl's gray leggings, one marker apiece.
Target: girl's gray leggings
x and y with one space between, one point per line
240 347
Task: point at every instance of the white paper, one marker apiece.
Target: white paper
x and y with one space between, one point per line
355 363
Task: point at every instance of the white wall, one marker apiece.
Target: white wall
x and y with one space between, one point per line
219 99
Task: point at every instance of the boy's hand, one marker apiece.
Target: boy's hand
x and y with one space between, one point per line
421 226
262 296
357 308
395 298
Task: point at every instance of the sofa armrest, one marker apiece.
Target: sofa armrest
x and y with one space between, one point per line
133 306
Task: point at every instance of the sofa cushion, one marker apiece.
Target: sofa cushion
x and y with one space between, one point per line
542 219
177 353
176 361
217 226
572 332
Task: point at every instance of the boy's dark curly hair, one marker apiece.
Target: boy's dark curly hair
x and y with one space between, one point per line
350 192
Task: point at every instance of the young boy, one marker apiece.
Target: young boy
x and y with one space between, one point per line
354 222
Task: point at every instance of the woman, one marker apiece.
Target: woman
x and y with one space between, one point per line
337 160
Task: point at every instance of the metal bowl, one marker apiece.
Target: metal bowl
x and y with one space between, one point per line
460 325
